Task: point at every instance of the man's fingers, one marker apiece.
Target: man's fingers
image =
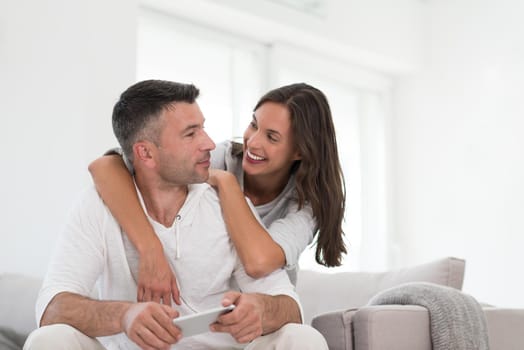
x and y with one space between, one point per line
174 291
221 328
140 293
230 297
166 298
242 333
150 325
162 331
151 340
156 297
248 333
147 295
164 319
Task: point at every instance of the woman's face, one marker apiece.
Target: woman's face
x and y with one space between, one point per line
268 142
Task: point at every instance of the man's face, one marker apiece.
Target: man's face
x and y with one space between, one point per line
184 147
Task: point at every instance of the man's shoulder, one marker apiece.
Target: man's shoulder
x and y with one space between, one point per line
89 201
203 198
202 202
203 191
88 195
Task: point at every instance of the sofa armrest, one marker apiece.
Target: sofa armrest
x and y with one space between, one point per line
505 328
392 327
336 328
378 327
407 327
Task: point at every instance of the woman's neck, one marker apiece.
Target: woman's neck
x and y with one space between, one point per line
263 189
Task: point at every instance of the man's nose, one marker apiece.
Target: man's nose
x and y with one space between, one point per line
207 143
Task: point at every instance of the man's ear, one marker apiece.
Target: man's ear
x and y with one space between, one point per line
144 152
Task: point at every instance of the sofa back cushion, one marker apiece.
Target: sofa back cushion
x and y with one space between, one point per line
322 292
18 295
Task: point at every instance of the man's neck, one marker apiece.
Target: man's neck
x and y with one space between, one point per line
163 202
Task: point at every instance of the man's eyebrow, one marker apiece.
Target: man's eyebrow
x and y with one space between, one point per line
191 127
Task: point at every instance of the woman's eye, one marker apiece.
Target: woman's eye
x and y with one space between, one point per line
253 125
272 138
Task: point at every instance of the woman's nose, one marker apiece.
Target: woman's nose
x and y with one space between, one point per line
254 140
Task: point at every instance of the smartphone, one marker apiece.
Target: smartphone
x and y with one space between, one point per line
199 323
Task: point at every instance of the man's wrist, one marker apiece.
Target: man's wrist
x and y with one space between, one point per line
124 317
278 310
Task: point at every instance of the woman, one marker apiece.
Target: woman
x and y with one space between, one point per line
288 168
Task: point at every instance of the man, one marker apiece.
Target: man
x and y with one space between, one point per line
161 131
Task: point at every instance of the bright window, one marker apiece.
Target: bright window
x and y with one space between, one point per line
356 99
233 73
227 70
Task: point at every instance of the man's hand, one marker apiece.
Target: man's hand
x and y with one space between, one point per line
244 323
150 325
156 281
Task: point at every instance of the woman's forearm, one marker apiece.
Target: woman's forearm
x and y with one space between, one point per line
116 187
259 253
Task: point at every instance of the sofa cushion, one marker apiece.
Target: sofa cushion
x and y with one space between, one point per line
18 295
10 340
322 292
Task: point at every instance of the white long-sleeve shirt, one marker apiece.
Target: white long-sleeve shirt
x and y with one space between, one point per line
291 228
93 251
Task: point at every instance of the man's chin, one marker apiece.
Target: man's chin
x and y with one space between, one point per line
201 178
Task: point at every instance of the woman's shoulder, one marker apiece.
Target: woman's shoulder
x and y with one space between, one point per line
218 155
225 155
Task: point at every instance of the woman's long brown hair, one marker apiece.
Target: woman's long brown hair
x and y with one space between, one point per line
318 174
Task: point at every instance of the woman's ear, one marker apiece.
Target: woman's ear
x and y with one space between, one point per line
297 155
143 152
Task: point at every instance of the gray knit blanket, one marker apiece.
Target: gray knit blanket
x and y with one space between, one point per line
456 319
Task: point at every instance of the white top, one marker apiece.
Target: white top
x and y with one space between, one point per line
94 251
291 228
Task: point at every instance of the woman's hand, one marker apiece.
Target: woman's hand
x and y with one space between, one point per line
156 280
218 177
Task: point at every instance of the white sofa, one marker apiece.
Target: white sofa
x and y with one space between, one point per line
336 306
17 309
333 303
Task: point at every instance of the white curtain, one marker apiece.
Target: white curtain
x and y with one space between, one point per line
233 73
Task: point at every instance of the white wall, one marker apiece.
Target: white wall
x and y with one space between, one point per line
62 66
381 34
459 187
